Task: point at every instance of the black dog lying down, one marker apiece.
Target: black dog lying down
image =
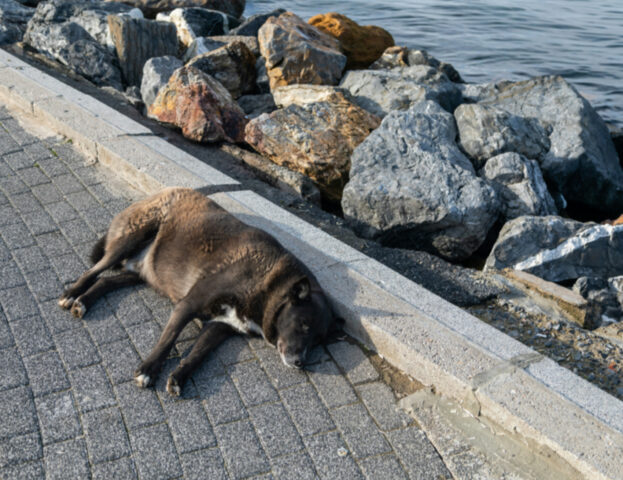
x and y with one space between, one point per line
213 267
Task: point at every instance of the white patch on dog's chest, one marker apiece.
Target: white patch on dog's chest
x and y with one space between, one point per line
244 325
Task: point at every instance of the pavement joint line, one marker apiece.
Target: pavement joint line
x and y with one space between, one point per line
416 331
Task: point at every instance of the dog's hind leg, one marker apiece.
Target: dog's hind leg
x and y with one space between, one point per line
101 287
148 370
213 334
118 245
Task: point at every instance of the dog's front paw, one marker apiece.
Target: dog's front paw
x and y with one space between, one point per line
142 379
66 301
78 309
173 387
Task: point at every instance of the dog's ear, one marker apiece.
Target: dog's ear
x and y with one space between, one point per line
301 290
336 330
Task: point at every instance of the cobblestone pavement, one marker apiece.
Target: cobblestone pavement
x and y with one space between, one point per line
69 407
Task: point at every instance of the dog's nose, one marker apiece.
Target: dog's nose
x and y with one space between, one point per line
298 363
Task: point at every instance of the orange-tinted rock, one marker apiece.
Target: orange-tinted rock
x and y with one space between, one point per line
618 221
362 44
200 106
296 52
315 139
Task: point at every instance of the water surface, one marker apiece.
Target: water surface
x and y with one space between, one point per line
491 40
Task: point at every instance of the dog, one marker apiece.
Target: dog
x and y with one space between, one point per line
212 266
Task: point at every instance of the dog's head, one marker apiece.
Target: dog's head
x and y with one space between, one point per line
304 320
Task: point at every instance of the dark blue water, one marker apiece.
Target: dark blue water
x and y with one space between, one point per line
491 40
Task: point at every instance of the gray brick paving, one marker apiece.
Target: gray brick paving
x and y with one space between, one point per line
204 464
58 417
68 404
379 400
122 468
155 455
20 449
241 449
297 466
66 460
359 431
32 336
13 373
106 435
384 466
306 409
353 361
190 426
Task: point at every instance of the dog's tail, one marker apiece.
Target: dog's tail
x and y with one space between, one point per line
98 250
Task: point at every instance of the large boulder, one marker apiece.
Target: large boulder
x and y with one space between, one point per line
92 15
383 91
71 45
519 184
397 56
138 40
582 162
488 131
251 26
315 139
192 23
200 106
202 45
152 7
13 19
75 33
557 249
411 187
233 65
361 44
156 74
296 52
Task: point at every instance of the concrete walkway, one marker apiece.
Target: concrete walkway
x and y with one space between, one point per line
69 407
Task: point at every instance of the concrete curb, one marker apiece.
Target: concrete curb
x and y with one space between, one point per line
489 373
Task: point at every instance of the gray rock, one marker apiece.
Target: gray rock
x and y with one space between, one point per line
156 74
202 45
616 134
12 12
558 249
604 295
73 46
582 161
58 24
193 23
488 131
405 57
10 33
151 8
255 105
383 91
138 40
411 187
261 76
519 185
233 65
252 25
95 21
